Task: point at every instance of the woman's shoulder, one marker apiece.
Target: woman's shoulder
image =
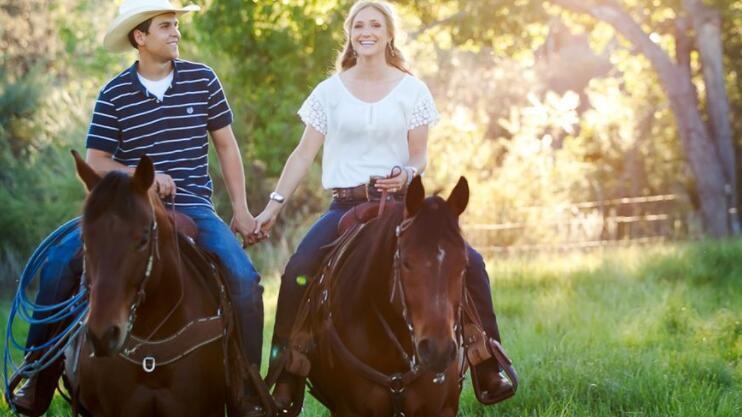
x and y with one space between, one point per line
326 86
417 84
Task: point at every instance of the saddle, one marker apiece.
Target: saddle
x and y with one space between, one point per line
183 224
360 214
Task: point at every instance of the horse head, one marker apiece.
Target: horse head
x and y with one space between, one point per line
120 235
430 263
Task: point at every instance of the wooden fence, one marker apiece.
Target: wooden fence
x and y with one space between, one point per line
587 225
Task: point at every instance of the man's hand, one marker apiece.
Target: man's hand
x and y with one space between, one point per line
243 223
164 185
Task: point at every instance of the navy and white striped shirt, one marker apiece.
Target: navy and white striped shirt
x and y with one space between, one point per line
128 122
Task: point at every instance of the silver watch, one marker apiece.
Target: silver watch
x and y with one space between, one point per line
411 173
278 198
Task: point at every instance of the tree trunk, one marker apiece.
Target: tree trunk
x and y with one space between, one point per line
700 150
707 25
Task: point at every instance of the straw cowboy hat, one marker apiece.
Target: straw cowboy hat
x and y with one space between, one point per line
132 13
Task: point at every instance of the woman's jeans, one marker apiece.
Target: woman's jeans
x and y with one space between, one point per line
307 260
60 275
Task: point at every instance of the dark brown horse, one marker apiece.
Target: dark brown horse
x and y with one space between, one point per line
154 329
388 313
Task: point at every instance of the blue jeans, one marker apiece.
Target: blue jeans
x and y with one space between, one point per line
307 260
60 272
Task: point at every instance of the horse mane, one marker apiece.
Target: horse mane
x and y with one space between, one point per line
364 275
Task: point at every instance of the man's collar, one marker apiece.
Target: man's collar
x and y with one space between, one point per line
138 84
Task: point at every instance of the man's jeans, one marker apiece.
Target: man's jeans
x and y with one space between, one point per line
60 274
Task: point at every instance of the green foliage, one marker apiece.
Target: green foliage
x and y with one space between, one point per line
268 56
519 144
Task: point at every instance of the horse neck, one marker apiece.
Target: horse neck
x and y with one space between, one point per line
365 334
170 293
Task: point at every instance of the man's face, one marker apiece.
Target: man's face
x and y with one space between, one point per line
162 39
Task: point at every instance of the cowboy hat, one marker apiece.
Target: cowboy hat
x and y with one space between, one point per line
131 14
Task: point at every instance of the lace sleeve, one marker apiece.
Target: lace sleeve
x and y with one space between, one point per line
313 114
424 112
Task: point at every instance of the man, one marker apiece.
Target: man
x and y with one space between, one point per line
165 108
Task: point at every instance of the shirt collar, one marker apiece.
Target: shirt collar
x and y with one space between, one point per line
138 84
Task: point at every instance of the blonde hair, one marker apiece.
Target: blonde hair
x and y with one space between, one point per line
347 57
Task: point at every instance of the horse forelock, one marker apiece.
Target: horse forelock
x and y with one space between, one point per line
435 221
113 195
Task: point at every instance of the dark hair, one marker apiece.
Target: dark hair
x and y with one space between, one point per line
142 27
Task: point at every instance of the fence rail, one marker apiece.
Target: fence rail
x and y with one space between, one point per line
587 225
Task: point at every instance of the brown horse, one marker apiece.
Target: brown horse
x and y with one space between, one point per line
154 329
388 310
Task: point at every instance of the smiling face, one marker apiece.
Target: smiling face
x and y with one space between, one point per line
369 32
161 42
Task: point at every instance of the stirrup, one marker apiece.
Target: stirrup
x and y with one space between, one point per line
296 397
502 363
290 364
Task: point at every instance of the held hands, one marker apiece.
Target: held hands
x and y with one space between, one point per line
243 224
265 221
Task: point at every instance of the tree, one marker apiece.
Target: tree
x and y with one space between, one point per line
703 123
709 149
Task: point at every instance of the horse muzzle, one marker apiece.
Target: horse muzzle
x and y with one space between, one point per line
107 342
436 355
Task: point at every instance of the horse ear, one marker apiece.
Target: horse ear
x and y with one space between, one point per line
415 196
459 197
87 175
144 175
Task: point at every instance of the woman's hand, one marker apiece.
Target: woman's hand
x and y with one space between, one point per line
265 220
393 184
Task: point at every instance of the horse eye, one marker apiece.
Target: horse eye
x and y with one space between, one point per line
142 245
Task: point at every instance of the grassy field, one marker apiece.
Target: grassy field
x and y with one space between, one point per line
627 332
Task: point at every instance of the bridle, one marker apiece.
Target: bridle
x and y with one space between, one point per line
396 383
141 294
154 252
398 288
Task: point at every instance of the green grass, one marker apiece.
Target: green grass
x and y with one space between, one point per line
627 332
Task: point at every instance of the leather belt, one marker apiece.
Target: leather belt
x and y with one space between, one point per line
364 192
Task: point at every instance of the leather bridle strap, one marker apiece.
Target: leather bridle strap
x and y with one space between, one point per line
395 383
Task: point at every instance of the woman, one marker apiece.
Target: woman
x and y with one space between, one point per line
371 116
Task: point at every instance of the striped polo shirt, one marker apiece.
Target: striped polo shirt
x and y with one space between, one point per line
128 122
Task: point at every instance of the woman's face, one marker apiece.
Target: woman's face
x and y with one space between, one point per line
369 33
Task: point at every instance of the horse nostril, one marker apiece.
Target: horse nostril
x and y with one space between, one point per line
112 337
424 349
437 356
104 346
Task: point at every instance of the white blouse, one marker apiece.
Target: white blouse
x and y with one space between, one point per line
364 139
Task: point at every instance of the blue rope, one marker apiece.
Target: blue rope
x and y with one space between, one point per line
75 308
